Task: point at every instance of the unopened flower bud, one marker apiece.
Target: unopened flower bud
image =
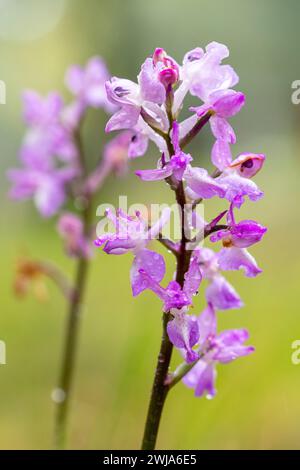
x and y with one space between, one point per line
168 69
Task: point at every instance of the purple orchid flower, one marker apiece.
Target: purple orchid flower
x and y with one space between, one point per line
148 267
214 348
132 232
241 235
234 184
149 93
144 275
202 74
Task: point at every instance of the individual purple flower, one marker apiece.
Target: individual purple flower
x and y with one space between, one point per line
176 167
131 232
234 182
148 267
88 86
148 94
241 235
46 188
202 74
70 227
214 348
173 296
219 293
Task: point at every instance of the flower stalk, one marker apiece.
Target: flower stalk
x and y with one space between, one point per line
75 309
160 388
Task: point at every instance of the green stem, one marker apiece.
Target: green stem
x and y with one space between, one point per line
70 346
159 390
160 387
63 391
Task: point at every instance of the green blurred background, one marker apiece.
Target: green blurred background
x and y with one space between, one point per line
257 405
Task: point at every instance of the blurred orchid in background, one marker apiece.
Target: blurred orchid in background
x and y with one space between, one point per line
54 173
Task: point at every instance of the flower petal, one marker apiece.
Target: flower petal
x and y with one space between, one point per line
236 188
229 346
221 154
222 295
151 88
227 103
203 185
222 130
232 259
207 324
192 278
154 175
183 332
125 118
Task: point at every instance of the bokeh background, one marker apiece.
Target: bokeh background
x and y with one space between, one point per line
257 405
